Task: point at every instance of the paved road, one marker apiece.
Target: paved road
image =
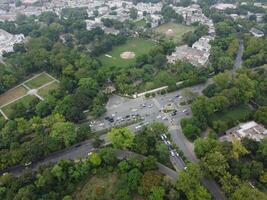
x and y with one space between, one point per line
239 60
150 110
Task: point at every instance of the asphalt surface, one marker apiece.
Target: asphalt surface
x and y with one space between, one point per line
238 61
149 110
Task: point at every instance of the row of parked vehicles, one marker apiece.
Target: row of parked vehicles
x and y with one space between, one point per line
170 147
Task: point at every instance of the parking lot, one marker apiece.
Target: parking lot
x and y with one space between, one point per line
121 110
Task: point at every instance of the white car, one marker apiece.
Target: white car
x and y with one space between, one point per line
162 137
27 164
146 123
165 118
150 106
159 116
172 153
138 127
165 136
185 110
134 110
102 124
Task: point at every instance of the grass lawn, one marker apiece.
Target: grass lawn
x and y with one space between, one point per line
141 22
38 81
137 45
45 90
12 95
96 187
25 100
178 30
233 115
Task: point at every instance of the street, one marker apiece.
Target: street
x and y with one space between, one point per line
122 109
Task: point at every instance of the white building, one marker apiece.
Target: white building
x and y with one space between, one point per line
256 32
203 44
8 40
155 20
223 6
194 56
250 130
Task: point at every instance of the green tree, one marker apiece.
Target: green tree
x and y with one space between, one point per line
215 164
261 115
238 149
189 183
163 152
246 192
133 13
133 179
64 132
205 146
157 193
95 159
121 138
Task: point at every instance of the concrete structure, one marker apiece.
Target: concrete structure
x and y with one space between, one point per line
194 56
8 40
250 130
203 44
155 20
29 2
223 6
256 32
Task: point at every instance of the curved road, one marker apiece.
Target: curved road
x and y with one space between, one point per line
123 107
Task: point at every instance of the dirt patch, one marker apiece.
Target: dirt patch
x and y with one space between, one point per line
127 55
169 32
12 95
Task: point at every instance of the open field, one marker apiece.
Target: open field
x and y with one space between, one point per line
138 46
12 95
38 81
25 101
45 90
103 186
173 30
233 115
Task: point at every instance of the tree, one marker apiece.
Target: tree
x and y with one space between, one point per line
261 115
189 183
157 193
163 152
223 80
18 3
190 130
246 87
133 179
149 180
246 192
64 133
205 146
215 164
133 13
95 159
238 149
121 138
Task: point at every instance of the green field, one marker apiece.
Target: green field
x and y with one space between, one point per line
141 22
43 92
38 81
178 30
25 100
137 45
233 115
